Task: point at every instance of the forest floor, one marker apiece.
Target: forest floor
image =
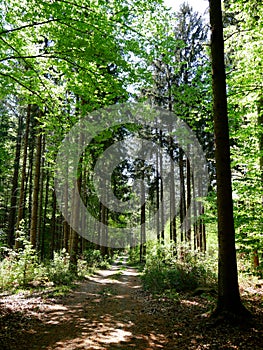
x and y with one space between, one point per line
110 310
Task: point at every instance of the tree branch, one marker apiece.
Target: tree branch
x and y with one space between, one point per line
28 26
21 84
24 59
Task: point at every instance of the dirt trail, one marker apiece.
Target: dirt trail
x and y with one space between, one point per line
104 313
107 311
111 311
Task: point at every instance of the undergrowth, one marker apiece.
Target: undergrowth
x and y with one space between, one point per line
184 270
22 269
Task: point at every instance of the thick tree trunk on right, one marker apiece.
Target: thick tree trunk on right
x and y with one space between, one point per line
229 302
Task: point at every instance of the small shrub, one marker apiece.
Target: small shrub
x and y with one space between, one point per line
94 259
164 271
18 268
58 269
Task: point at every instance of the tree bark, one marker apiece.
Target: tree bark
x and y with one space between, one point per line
161 189
41 194
228 302
188 203
20 212
143 217
53 225
182 195
173 234
35 203
12 211
74 246
43 235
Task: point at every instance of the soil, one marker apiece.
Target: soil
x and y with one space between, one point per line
110 310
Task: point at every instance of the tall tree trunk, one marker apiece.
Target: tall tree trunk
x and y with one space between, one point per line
182 195
161 190
12 211
74 246
74 237
35 201
143 217
188 202
229 301
157 193
53 225
21 204
29 178
195 225
104 233
41 193
173 237
43 235
66 227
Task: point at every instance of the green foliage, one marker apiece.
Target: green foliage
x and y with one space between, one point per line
57 270
243 53
94 259
22 268
18 268
165 272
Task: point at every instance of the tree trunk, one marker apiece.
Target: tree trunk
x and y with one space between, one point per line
161 189
74 238
29 178
35 201
143 217
182 195
12 212
74 246
228 302
188 203
20 212
173 237
41 193
53 225
43 235
104 233
66 227
157 193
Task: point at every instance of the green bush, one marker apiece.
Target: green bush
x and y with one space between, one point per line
164 271
57 270
18 268
22 268
94 258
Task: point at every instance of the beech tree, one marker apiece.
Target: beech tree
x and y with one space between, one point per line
229 302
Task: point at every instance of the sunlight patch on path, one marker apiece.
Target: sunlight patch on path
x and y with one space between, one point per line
103 334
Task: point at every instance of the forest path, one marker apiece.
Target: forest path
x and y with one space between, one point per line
107 312
110 311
